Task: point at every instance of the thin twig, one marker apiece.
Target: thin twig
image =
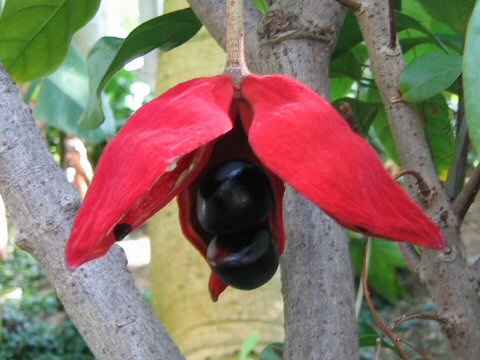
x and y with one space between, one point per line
465 199
458 168
418 316
360 293
393 24
425 316
388 331
416 349
424 190
378 348
235 66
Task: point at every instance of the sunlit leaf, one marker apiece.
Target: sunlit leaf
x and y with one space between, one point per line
405 22
429 74
471 77
261 5
110 54
454 13
249 345
62 99
36 34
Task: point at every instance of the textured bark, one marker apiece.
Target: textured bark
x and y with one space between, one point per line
101 297
296 38
445 274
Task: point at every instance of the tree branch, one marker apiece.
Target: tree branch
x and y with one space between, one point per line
412 257
439 271
458 168
466 197
101 297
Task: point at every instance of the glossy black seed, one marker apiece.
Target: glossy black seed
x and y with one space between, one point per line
121 230
245 260
233 196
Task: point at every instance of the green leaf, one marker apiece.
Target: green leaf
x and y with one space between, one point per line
249 345
384 135
385 261
110 54
454 13
428 75
405 22
350 63
273 352
438 129
367 335
36 34
350 35
62 100
471 77
340 87
261 5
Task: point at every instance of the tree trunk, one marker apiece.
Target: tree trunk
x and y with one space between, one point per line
202 329
317 275
100 297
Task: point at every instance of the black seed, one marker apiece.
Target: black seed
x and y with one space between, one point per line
121 230
233 196
245 260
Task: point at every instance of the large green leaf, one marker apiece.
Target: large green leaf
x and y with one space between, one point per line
384 135
62 100
454 13
110 54
429 74
471 77
350 35
438 129
385 261
35 34
405 22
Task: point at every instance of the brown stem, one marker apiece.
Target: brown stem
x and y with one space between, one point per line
423 316
388 331
393 24
350 4
235 66
458 168
424 189
465 199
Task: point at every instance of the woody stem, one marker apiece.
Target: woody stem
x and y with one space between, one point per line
235 67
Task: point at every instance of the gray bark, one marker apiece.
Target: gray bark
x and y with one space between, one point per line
101 297
446 275
296 39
